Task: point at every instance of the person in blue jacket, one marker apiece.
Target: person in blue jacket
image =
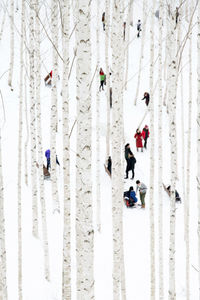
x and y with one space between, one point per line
48 157
130 197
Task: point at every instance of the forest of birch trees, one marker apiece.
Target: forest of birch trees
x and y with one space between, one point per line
76 47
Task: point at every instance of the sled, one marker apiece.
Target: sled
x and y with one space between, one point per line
169 194
46 173
107 171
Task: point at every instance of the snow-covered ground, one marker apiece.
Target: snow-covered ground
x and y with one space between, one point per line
136 221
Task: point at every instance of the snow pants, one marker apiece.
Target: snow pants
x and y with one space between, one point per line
142 197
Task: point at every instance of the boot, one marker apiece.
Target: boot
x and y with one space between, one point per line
143 205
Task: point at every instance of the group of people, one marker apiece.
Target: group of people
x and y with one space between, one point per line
130 195
140 136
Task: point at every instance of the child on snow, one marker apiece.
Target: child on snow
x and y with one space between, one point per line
130 197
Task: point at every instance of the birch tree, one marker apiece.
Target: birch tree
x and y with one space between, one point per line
10 75
84 209
54 21
107 32
3 269
98 187
39 142
66 278
187 201
20 129
151 183
117 184
172 69
142 49
160 155
33 120
128 23
198 139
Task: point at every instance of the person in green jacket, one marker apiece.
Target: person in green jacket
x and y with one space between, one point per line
102 78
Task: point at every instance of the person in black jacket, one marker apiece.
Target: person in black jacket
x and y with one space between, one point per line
130 160
146 98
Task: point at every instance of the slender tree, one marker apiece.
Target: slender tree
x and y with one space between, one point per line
11 43
160 154
117 184
54 22
33 119
172 69
198 140
66 278
3 269
39 141
188 169
151 183
107 33
142 49
20 130
84 209
98 186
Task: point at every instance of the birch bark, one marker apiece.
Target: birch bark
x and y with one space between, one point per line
198 139
39 142
151 183
129 17
20 129
98 190
188 170
142 49
84 209
107 32
172 125
10 75
3 263
33 120
117 183
54 21
66 278
160 155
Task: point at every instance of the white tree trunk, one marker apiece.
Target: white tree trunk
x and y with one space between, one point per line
20 130
39 141
98 186
188 169
198 141
27 127
3 268
54 21
117 140
84 209
142 49
151 183
107 32
2 24
66 278
10 75
128 22
33 120
160 155
172 129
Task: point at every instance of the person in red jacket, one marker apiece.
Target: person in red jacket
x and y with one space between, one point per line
145 134
138 137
